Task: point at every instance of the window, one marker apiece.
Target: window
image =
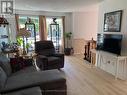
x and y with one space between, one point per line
30 40
52 35
4 35
35 20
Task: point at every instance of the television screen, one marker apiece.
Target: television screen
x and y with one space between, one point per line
109 42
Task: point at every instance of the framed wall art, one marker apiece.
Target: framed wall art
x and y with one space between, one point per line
112 21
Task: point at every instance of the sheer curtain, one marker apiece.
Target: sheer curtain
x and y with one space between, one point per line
42 28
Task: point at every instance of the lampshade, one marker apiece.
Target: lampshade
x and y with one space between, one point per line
3 21
23 33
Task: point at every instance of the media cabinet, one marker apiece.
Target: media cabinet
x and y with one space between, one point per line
113 64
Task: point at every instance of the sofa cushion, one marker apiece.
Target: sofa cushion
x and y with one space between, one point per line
25 70
46 52
44 48
40 78
28 91
53 60
5 64
3 78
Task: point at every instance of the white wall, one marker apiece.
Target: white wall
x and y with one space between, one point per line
113 5
68 22
85 25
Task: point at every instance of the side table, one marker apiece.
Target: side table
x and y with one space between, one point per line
30 56
20 62
10 52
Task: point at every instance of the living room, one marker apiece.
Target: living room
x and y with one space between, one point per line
84 20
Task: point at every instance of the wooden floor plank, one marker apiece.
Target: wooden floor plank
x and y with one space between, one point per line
84 80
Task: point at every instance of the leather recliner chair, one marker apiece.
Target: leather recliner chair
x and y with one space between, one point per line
47 58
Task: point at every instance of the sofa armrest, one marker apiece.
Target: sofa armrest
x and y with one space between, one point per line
41 61
41 57
58 55
61 56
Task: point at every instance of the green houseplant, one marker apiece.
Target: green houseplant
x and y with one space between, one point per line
20 43
68 47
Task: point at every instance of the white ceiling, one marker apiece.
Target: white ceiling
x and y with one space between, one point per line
54 5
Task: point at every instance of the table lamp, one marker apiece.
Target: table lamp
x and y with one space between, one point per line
3 21
24 34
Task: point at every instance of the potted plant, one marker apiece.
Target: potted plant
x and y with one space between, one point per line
19 41
68 49
26 45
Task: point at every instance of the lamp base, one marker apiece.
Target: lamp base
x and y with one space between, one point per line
24 52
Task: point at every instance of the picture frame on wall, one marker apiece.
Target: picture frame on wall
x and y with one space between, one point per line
112 21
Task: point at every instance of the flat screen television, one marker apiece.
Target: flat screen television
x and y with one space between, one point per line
110 43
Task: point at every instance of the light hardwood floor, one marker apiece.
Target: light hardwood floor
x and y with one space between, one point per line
84 80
